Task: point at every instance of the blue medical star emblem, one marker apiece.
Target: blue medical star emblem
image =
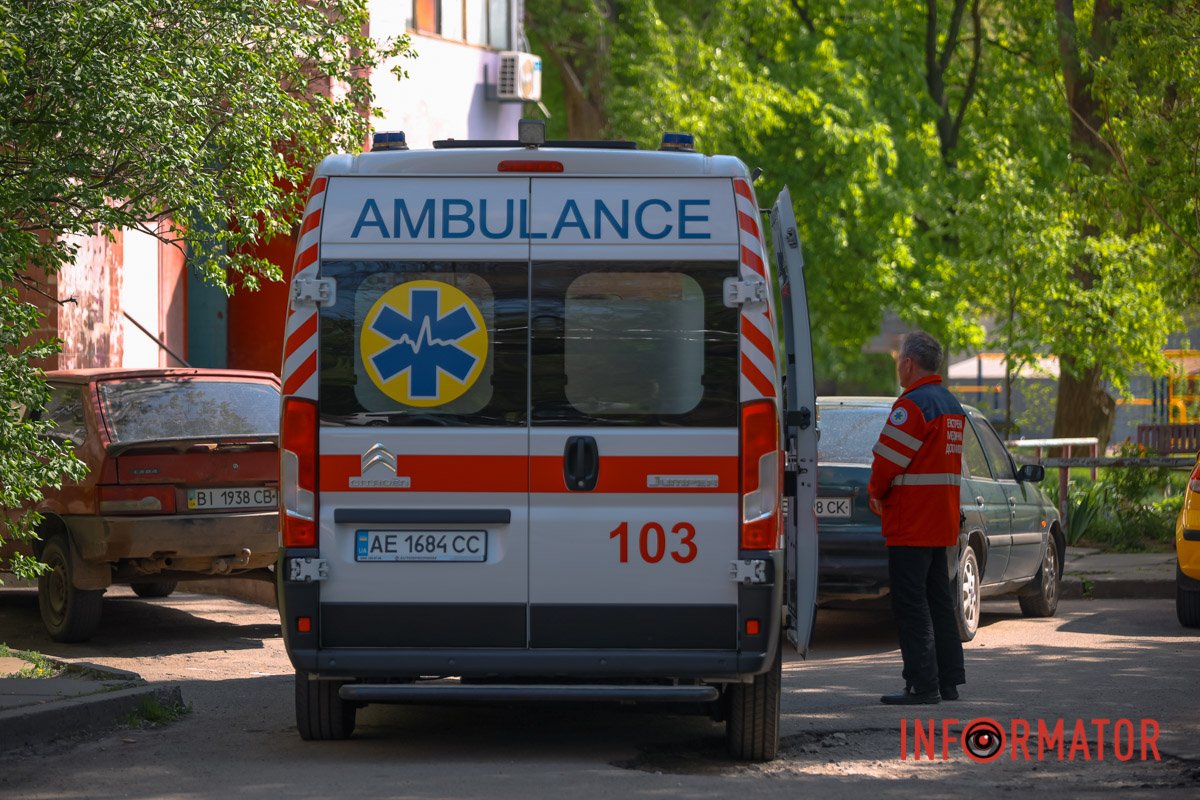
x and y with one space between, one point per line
424 343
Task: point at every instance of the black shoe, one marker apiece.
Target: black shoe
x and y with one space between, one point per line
949 692
911 697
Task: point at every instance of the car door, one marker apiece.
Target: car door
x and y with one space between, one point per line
634 423
985 505
1025 513
800 439
424 437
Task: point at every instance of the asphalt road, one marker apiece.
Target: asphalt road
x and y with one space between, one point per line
1097 660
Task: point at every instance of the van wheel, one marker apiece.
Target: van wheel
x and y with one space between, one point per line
1040 597
752 727
966 602
152 589
320 713
69 614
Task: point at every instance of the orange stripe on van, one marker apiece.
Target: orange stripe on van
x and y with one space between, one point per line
748 224
752 260
432 474
618 474
311 222
630 474
758 339
307 258
300 336
301 375
760 382
743 188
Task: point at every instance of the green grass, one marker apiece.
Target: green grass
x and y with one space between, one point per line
152 713
39 665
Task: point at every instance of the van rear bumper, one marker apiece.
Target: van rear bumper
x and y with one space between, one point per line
527 663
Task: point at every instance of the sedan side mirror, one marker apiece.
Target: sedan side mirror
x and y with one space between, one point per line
1034 473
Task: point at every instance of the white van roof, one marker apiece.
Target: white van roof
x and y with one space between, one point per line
484 161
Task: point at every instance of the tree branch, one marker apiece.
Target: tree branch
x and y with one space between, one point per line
801 9
972 75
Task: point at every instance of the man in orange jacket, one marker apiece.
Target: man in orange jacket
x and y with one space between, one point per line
915 488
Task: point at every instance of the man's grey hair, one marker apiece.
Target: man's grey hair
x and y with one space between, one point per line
923 349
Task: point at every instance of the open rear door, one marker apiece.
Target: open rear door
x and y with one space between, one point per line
800 421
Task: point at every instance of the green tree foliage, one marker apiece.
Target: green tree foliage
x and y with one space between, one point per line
943 160
125 113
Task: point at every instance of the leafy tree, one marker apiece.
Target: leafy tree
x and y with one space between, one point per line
951 160
205 114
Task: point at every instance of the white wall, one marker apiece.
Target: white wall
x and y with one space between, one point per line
139 299
444 96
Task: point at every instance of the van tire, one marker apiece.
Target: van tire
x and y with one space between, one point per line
752 726
321 714
151 589
69 614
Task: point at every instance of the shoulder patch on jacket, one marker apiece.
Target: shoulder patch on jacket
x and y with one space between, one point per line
899 416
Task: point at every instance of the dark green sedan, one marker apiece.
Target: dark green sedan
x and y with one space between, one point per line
1011 538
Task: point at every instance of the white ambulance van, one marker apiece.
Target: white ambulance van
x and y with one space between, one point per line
541 440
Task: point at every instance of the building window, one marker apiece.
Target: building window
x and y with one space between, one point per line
426 16
487 23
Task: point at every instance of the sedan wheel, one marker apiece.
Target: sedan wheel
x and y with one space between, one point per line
69 614
1040 597
967 603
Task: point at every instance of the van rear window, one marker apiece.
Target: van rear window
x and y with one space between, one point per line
425 343
633 343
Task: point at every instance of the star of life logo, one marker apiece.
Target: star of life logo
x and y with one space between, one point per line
424 343
378 471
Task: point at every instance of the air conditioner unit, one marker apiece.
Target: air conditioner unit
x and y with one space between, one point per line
520 77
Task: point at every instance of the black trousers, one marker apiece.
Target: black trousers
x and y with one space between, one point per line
924 607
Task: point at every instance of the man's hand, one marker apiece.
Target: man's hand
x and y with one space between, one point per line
876 506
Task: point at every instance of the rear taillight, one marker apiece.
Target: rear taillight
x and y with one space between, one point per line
136 499
761 476
298 473
1194 480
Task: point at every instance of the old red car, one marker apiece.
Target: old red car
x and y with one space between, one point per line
182 483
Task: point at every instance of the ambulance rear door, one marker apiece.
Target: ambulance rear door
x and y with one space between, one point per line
634 513
423 367
800 420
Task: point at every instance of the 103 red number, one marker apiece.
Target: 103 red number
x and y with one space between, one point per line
653 545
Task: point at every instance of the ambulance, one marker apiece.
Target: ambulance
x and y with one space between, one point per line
548 434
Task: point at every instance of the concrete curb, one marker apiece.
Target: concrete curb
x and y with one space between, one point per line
1073 588
39 724
250 591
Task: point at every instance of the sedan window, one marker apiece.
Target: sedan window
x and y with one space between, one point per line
65 408
974 461
155 409
849 432
997 454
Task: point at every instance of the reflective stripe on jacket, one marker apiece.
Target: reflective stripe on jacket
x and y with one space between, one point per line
918 467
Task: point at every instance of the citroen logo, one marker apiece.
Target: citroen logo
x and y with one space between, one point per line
378 454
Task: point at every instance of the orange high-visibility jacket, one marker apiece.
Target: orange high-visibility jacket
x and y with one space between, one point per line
918 467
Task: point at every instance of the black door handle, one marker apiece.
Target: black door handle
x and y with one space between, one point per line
581 463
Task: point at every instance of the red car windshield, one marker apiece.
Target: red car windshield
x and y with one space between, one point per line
154 409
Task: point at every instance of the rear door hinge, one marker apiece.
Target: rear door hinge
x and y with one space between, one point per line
319 291
307 570
739 292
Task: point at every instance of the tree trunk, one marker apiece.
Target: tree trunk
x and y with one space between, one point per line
1084 408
